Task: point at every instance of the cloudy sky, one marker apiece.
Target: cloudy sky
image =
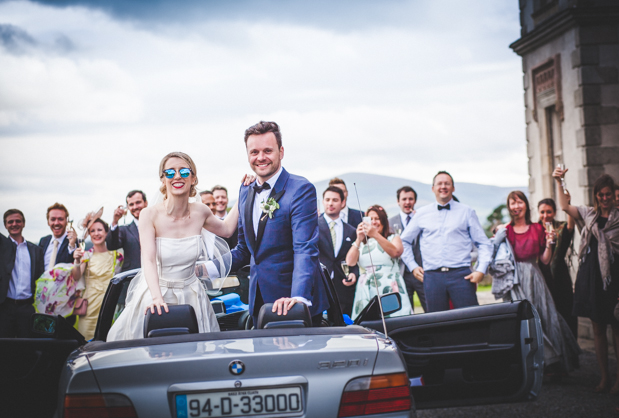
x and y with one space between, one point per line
94 93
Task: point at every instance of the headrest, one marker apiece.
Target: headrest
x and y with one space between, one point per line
297 317
181 319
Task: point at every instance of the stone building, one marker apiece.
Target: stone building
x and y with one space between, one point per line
570 60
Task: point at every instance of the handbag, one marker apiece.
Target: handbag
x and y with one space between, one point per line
80 307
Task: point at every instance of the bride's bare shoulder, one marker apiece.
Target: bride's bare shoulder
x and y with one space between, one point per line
151 212
199 208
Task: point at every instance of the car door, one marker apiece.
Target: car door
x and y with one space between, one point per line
470 356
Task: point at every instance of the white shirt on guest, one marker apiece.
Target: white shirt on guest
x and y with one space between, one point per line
403 218
50 248
344 214
19 287
339 232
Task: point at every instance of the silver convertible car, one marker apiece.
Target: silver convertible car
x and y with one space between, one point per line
279 367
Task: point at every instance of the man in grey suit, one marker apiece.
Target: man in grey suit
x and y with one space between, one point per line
25 261
407 197
127 237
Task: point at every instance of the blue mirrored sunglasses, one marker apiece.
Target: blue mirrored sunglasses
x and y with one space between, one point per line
170 172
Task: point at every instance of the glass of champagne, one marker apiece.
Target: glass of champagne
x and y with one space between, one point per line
549 228
346 270
562 167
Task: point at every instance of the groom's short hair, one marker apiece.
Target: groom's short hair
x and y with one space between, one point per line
263 127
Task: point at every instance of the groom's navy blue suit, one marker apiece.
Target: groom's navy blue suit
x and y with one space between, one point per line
284 254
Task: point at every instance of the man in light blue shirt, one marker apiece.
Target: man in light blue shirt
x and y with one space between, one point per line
446 231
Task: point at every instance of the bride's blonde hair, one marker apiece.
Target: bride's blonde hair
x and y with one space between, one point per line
190 163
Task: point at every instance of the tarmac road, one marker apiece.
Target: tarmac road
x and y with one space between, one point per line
573 397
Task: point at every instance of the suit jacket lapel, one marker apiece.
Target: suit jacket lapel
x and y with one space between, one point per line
133 229
248 218
264 217
325 236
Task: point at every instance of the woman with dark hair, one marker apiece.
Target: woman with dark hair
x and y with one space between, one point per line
532 244
93 271
557 273
597 282
377 252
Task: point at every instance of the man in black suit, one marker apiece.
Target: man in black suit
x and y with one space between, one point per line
220 193
59 246
127 237
407 197
349 215
335 239
17 293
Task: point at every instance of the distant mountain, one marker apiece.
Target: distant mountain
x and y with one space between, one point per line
375 189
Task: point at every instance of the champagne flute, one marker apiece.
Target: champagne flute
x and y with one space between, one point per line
346 270
562 167
124 208
549 228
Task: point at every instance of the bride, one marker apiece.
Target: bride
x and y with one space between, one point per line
171 243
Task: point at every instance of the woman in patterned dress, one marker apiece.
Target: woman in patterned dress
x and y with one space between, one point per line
377 253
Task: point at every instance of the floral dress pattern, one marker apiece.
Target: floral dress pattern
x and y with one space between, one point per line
374 261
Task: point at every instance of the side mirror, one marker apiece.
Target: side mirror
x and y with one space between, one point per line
391 302
54 326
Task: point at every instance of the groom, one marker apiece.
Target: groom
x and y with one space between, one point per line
281 245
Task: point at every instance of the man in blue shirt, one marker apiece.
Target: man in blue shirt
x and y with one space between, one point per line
446 231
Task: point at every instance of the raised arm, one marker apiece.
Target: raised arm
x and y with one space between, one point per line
225 228
564 200
148 247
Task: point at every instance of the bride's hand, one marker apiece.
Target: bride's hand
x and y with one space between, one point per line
248 179
158 303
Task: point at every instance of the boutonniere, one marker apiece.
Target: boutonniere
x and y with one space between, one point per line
269 207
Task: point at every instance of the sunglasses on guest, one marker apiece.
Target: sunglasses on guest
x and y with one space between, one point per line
170 172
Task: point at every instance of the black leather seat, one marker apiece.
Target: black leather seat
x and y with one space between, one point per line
297 317
181 319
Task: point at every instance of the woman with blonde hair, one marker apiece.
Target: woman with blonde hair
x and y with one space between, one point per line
171 241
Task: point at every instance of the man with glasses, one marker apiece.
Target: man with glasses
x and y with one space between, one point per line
127 237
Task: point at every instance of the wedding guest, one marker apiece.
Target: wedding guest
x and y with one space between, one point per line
206 196
349 215
533 245
379 260
407 197
59 246
18 292
597 282
221 211
94 270
557 273
220 193
127 237
335 239
446 231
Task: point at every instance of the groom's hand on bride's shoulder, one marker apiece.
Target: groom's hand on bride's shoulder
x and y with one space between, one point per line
247 180
283 305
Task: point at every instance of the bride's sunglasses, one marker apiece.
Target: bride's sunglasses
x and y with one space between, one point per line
170 172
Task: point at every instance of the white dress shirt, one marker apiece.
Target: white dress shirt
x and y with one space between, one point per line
50 248
339 232
445 238
344 214
19 287
403 218
263 196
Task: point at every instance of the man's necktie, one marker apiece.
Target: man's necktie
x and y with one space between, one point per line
52 260
333 234
265 186
444 207
408 219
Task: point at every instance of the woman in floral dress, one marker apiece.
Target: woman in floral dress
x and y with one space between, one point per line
378 256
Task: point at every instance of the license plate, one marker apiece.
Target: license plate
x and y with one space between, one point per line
234 403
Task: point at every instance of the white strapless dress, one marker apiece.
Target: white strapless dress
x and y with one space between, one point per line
176 264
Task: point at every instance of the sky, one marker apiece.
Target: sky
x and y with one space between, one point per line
94 93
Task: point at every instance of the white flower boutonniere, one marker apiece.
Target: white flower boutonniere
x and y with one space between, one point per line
269 207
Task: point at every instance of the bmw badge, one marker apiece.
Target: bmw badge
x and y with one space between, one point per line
236 367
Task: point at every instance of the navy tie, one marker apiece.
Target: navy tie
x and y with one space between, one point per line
443 207
408 219
258 189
